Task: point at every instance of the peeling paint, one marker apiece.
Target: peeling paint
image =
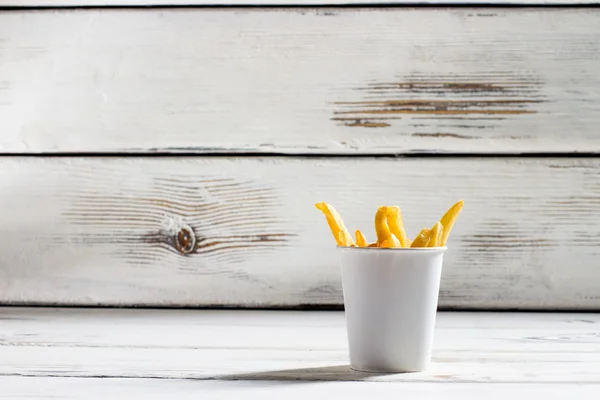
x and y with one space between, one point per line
437 111
449 135
368 124
481 98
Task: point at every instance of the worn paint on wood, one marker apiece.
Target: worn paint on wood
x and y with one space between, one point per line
188 389
420 101
144 3
305 80
245 232
148 354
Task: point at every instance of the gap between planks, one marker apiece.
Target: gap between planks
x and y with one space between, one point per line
210 153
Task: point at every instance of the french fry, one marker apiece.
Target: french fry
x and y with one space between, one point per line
448 220
381 226
389 227
342 239
395 241
422 239
361 241
391 243
436 235
336 224
396 225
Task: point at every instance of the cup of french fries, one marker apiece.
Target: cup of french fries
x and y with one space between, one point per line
390 289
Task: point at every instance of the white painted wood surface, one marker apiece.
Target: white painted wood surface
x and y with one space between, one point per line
87 353
190 231
338 80
150 389
143 3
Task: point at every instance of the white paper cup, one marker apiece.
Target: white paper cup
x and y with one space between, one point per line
390 300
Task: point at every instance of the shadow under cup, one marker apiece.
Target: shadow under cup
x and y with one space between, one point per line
390 301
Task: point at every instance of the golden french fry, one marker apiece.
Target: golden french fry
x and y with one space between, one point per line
381 226
391 243
336 224
436 235
341 239
361 241
389 227
422 239
448 220
396 225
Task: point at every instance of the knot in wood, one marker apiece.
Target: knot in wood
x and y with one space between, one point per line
185 240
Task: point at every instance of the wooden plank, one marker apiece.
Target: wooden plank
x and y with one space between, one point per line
145 3
297 81
323 330
150 389
191 231
248 350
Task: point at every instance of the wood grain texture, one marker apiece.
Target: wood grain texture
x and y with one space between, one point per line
151 389
147 353
325 80
144 3
173 231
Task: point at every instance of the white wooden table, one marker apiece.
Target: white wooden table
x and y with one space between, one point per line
189 354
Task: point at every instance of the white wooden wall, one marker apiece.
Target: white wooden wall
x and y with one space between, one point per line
172 156
304 81
268 3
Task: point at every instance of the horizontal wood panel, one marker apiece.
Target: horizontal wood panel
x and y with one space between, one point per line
284 353
244 232
338 80
145 389
144 3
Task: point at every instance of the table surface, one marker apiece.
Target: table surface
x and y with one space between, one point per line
191 354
